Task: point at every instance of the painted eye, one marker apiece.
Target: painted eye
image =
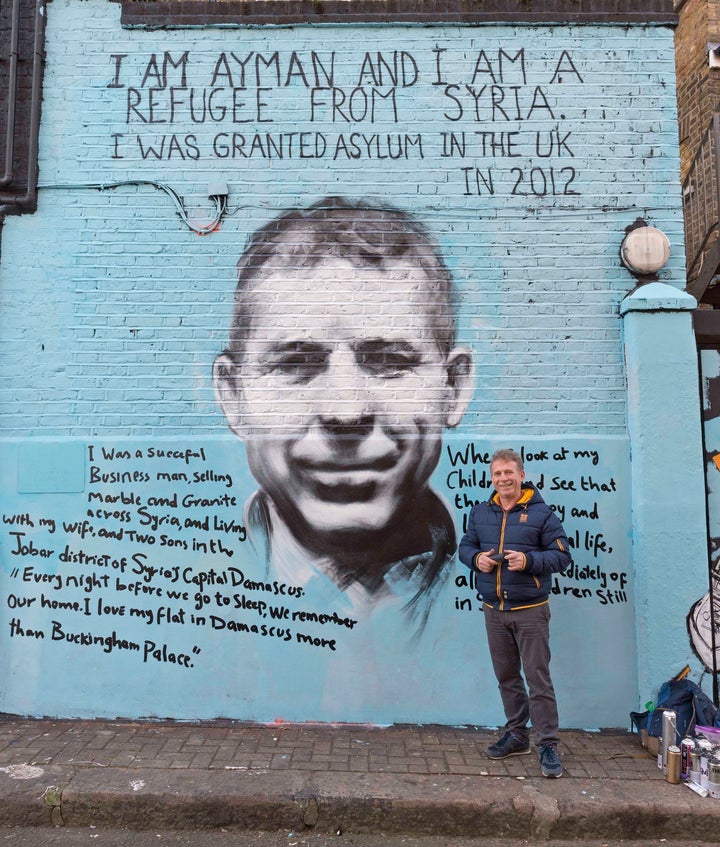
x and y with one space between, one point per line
387 360
299 363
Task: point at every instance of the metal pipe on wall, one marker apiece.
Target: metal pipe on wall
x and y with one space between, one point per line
16 203
7 177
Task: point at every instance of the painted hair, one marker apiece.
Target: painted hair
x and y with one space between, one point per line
507 456
363 234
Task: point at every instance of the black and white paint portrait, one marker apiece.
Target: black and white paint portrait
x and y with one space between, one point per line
704 616
341 374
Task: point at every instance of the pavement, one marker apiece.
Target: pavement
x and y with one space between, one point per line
336 779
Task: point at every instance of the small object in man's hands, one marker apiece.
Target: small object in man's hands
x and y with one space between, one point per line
500 559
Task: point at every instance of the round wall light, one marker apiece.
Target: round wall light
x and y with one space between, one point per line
645 250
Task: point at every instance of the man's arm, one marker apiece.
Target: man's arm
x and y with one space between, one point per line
470 551
553 553
469 544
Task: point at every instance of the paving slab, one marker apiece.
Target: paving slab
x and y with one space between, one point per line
409 780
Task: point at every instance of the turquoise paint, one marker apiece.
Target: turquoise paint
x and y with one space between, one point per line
143 563
537 271
112 312
52 467
668 489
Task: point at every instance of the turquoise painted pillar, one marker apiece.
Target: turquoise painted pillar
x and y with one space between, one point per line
667 477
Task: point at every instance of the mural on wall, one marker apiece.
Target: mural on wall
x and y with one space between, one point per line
704 617
430 273
341 375
147 571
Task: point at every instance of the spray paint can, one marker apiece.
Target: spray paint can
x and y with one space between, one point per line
686 746
706 750
668 738
713 785
695 765
673 765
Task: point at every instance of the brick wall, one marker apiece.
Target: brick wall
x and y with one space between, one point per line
698 85
151 13
18 133
133 519
698 88
122 308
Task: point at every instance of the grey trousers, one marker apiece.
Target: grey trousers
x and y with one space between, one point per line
519 644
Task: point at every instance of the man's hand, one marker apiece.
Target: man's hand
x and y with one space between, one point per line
515 560
484 563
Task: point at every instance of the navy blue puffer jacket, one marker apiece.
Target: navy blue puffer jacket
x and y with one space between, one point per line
530 527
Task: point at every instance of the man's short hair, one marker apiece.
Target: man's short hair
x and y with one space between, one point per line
364 234
507 455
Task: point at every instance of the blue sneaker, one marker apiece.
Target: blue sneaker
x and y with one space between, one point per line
550 763
508 745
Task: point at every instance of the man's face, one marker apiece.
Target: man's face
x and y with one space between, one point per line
342 393
507 479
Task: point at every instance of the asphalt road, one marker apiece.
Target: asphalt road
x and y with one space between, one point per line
94 837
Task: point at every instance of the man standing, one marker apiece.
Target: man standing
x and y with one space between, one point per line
514 543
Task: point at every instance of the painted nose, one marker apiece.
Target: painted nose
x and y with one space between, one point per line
345 402
341 428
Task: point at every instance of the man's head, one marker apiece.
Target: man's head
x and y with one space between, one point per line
342 370
507 474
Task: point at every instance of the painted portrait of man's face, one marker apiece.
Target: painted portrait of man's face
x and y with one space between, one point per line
342 378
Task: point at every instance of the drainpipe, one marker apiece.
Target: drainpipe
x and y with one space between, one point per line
10 202
7 178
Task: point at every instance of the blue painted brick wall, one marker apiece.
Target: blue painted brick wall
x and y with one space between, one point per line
112 310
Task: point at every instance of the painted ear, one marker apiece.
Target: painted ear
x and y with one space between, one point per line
461 373
228 391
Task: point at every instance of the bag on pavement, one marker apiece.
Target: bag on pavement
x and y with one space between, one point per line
690 703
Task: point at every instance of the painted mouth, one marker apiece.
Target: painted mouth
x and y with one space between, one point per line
346 481
355 465
351 471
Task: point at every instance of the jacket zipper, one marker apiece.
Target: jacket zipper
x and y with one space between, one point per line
499 567
498 585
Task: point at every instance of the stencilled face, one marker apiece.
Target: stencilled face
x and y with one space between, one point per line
342 393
